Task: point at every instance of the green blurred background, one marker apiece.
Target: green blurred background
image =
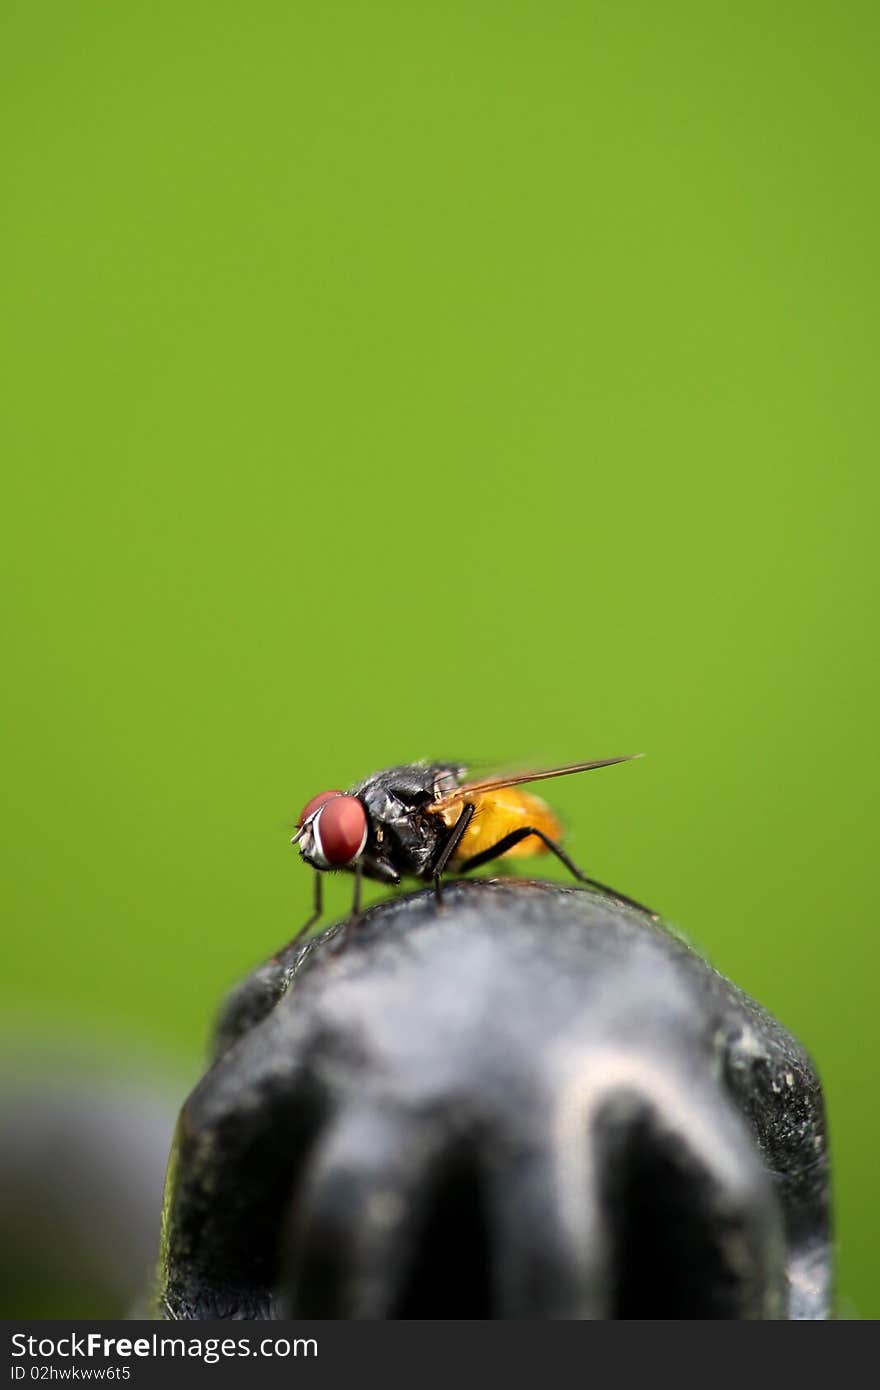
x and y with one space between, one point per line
485 380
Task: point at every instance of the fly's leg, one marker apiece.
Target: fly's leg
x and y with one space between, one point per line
317 907
356 899
450 847
508 841
374 868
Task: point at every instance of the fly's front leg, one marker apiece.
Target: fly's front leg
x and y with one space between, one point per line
451 845
376 868
356 899
371 868
317 907
516 836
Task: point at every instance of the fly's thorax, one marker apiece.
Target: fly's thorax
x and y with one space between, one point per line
401 833
410 785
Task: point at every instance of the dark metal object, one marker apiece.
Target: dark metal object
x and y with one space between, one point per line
532 1102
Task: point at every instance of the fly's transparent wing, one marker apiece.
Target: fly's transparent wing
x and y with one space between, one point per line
516 779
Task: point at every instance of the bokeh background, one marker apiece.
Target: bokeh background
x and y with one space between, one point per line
486 380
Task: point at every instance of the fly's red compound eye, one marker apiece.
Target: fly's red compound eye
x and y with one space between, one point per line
312 806
341 829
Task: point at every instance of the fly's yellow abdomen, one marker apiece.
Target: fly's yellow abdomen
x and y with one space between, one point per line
497 814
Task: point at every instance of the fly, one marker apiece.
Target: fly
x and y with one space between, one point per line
422 819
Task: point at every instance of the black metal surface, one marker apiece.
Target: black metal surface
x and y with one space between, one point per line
529 1102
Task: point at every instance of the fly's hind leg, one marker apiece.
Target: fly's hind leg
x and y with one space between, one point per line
516 836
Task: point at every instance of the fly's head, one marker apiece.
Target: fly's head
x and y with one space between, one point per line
332 831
